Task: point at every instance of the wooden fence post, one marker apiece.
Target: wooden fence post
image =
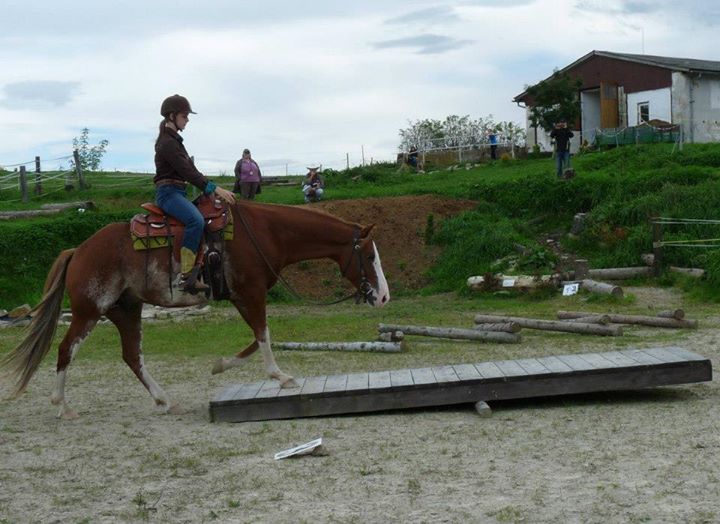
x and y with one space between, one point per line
78 169
23 184
38 177
657 233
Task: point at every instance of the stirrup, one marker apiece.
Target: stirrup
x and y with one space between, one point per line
189 283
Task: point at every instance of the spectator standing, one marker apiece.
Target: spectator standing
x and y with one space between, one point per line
313 185
492 139
412 158
248 176
562 135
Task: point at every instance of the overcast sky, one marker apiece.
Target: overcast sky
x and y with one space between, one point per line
299 82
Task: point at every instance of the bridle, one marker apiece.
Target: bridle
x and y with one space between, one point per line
364 291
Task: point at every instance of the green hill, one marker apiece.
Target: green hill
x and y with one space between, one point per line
520 202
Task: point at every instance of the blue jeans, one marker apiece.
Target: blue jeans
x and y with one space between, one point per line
173 201
562 160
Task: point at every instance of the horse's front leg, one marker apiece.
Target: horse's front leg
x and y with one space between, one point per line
286 381
255 318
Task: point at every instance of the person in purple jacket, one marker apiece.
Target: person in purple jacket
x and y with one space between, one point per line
247 176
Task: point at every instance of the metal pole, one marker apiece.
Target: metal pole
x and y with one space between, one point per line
347 160
362 149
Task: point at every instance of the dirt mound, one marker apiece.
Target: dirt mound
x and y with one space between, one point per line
399 234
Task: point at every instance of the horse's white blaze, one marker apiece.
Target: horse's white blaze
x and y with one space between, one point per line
156 392
382 291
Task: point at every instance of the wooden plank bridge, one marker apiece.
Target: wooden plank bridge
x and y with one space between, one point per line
461 383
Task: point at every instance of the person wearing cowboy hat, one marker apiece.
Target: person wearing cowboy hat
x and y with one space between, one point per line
247 176
313 185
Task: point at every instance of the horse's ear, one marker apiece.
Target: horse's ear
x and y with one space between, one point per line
365 231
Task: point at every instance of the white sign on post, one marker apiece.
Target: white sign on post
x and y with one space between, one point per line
570 289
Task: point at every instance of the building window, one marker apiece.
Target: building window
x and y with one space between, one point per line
643 112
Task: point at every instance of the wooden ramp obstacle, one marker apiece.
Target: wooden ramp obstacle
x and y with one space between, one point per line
461 383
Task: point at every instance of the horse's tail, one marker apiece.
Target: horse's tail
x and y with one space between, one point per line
21 363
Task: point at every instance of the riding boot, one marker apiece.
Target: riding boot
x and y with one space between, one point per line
189 272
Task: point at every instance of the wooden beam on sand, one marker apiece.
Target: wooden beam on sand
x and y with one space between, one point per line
453 333
642 320
554 325
602 287
379 347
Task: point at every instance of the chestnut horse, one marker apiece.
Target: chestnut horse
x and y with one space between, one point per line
106 276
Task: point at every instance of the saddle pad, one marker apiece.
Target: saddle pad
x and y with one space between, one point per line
155 231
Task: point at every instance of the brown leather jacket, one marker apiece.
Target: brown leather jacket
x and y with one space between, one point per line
172 162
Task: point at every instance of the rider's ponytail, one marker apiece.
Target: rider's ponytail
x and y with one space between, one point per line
161 130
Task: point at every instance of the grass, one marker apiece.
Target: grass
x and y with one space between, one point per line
519 201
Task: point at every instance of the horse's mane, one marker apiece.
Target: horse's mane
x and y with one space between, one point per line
293 213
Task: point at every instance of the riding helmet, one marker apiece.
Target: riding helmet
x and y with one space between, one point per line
175 104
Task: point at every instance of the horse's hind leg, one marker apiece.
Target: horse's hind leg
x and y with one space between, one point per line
80 328
127 318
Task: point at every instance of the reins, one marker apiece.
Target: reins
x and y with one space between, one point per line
363 293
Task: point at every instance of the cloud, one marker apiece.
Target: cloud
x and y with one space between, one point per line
426 44
430 15
39 93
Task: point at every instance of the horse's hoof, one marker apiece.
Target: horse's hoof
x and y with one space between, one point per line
68 414
218 366
289 383
175 409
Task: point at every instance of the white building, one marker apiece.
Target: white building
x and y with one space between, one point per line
623 90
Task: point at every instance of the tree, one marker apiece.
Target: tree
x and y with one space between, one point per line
90 157
553 99
457 131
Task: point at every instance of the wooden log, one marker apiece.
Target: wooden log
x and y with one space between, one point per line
689 271
582 267
677 314
511 281
381 347
554 325
454 333
602 287
483 409
507 327
621 273
391 336
591 319
642 320
69 205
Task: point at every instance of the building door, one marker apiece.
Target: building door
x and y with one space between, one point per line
608 105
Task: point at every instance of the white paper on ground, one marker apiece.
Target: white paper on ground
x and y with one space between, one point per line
302 449
508 282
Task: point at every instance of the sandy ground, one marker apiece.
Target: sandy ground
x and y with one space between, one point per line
648 456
